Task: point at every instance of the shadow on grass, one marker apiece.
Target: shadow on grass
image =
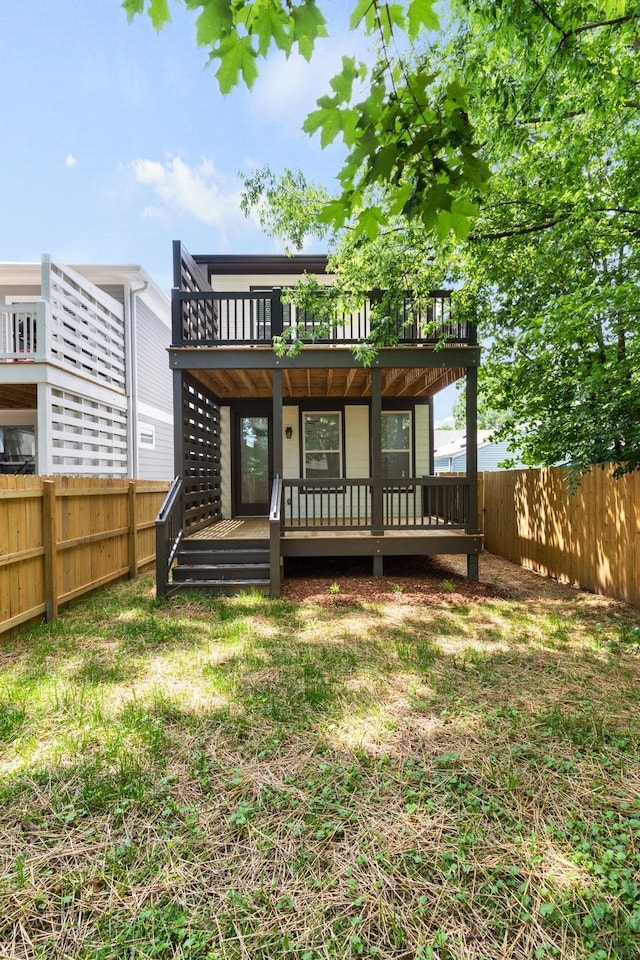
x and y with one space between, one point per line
471 751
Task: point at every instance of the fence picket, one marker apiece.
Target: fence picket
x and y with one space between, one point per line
589 537
62 537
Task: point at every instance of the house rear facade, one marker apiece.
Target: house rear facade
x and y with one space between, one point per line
85 387
309 453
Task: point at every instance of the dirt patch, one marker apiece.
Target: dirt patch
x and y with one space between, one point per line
413 580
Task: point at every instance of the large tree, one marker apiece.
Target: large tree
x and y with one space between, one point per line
544 252
552 269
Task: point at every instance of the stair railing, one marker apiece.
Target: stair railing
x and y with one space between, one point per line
275 525
168 534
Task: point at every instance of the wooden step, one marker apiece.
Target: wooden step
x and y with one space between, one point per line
221 571
219 587
195 546
208 555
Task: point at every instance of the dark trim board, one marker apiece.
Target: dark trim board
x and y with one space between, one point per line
393 546
263 358
261 264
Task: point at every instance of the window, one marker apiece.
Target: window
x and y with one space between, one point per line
146 436
322 434
17 448
396 444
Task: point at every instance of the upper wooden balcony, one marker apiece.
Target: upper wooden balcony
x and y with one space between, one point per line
205 317
210 318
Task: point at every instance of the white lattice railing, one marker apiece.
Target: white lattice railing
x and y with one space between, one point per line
75 325
22 330
87 326
88 436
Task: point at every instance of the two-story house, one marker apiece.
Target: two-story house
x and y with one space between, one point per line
307 454
84 382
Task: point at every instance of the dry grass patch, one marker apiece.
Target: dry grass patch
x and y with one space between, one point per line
228 779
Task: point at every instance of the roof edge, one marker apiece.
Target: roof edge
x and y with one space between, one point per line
246 264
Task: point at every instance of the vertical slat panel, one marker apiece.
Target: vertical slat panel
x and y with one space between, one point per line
64 537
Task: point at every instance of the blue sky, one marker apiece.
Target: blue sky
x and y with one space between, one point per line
116 140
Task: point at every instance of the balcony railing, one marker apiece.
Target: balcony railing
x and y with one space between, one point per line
210 318
22 331
375 505
74 325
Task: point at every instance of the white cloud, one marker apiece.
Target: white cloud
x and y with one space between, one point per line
287 89
70 161
201 191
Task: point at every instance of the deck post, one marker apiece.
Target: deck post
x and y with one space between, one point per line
376 452
472 465
276 312
277 423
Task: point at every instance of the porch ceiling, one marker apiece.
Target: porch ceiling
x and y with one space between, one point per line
320 383
18 396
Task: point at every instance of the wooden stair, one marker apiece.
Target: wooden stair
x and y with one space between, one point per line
222 567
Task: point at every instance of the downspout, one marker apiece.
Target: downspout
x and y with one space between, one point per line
131 371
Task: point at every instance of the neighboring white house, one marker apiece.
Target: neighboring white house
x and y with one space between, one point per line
450 452
85 385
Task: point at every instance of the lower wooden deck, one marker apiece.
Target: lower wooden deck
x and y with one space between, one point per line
334 541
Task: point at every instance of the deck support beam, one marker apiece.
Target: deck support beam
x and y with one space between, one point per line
376 452
277 423
472 464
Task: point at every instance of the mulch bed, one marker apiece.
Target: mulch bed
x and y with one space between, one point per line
407 580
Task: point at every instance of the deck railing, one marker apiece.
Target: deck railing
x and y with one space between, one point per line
168 534
22 331
210 318
275 532
414 503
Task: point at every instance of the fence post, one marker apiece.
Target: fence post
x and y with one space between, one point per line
133 530
50 543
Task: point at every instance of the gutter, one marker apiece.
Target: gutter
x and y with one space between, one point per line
131 367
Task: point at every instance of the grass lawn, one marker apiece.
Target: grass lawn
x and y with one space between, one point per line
216 779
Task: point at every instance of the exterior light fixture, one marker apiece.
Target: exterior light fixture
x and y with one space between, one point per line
288 433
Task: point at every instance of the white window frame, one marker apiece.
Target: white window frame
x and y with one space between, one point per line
323 413
408 413
150 429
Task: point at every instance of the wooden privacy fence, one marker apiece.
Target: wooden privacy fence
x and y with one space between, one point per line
589 538
61 537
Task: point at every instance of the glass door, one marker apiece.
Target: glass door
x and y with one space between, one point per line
253 470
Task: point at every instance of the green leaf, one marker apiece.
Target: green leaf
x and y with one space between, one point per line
133 8
363 12
342 83
420 14
368 222
327 119
159 13
214 23
237 57
308 25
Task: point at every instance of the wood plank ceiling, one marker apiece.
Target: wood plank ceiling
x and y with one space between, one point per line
319 383
18 396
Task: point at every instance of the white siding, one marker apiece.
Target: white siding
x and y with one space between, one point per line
291 448
156 464
153 376
153 389
423 465
356 435
225 283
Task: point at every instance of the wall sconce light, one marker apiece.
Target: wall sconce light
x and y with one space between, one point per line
288 433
